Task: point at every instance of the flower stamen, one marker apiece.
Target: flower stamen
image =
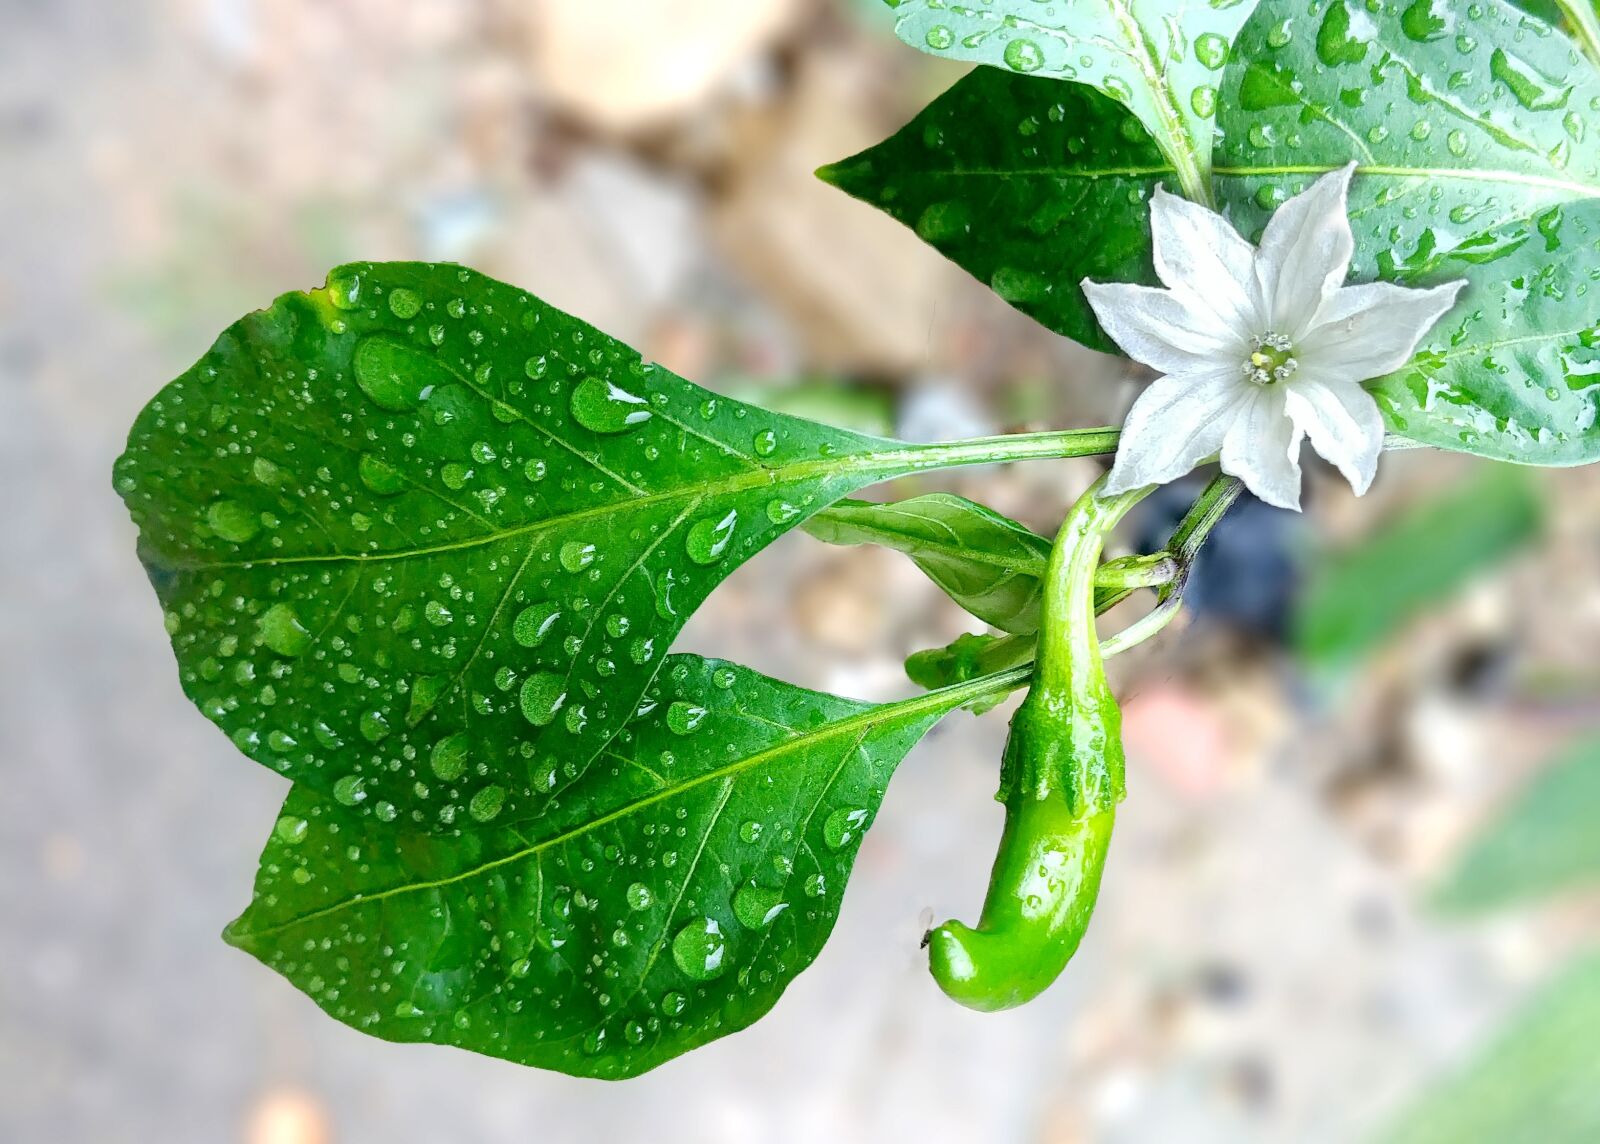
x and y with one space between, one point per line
1271 360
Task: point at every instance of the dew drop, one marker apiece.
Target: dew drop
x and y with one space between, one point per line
268 473
448 759
380 476
842 826
534 622
374 726
290 830
350 790
404 304
1023 55
541 697
708 539
486 804
232 521
394 375
576 555
344 290
757 906
1211 50
698 949
685 718
781 511
765 443
639 896
601 407
282 631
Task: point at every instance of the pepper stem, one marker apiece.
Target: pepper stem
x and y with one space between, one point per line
1066 736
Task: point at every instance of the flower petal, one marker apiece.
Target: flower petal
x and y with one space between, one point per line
1200 255
1343 423
1305 252
1363 332
1262 448
1163 329
1175 424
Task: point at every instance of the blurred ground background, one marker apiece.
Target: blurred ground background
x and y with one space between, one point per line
1263 965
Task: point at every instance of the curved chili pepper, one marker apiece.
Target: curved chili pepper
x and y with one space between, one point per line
1060 780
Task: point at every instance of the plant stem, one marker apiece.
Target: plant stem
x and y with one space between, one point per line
1209 508
1069 649
1127 573
1051 445
1184 545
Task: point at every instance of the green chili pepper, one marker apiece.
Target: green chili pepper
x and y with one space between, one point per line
1060 780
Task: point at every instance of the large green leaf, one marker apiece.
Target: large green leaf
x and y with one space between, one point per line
1160 59
1538 1083
423 540
1362 596
1464 120
1029 184
989 564
1513 372
1471 128
1545 842
666 900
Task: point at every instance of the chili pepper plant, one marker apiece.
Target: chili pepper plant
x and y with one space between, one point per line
423 542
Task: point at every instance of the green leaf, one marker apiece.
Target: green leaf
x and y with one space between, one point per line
1462 122
1360 597
420 536
1029 184
1471 128
1513 372
1539 1081
1165 65
1544 842
666 900
989 564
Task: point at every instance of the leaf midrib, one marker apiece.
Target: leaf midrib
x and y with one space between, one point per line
872 716
1477 175
877 463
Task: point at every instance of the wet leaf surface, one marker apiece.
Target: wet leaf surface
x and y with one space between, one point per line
1163 61
422 540
665 900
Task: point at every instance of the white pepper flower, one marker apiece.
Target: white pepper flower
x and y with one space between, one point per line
1261 348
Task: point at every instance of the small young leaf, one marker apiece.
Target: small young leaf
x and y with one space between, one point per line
970 657
987 563
1028 184
1358 598
1163 61
666 900
1545 842
418 534
1538 1081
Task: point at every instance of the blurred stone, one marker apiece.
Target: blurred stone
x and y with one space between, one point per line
622 65
864 288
